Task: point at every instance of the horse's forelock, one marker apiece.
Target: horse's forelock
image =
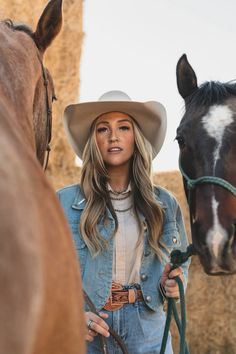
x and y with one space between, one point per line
211 93
19 27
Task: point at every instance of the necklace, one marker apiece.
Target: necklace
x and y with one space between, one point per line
124 210
120 198
120 192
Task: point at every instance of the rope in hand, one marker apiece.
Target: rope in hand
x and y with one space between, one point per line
177 258
103 341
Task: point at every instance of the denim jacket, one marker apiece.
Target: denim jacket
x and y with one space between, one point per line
96 271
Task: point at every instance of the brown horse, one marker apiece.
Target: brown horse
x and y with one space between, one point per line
41 306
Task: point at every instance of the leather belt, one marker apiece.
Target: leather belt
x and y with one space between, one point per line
119 296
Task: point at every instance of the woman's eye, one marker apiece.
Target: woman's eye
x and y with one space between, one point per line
124 127
102 130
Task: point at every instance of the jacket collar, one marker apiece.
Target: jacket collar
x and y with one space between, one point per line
160 202
79 202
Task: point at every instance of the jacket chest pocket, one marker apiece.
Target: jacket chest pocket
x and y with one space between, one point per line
170 236
80 246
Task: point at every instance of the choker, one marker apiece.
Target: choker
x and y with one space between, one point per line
121 198
120 192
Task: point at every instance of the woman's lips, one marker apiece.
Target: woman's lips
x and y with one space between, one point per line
114 149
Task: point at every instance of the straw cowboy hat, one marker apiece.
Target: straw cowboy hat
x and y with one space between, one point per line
150 116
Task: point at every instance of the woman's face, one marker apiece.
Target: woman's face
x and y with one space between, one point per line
115 138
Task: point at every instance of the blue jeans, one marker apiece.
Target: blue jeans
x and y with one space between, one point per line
139 327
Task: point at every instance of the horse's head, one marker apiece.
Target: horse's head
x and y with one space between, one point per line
207 141
26 86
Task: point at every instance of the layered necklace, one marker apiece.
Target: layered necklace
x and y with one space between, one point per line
124 210
121 196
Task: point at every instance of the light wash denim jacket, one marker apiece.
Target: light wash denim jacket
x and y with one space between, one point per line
96 272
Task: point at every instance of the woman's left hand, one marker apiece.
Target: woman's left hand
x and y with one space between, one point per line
170 285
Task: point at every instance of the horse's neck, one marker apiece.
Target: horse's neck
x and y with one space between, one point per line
17 127
16 100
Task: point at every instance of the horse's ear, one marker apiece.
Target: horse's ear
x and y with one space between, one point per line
49 25
186 77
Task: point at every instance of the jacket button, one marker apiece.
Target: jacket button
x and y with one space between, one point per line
144 277
174 239
148 298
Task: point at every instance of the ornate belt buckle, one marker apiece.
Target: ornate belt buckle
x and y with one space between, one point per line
110 306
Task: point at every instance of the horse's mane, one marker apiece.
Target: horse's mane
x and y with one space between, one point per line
211 93
19 27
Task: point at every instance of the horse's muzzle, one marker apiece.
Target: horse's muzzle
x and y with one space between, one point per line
216 249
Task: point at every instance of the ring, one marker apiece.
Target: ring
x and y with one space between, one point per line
89 324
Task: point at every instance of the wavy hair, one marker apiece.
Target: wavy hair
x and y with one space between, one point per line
94 179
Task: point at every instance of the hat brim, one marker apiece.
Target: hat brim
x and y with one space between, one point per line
150 116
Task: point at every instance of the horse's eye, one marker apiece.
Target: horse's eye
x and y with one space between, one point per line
181 142
54 98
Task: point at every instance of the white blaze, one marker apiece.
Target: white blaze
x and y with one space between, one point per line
215 123
217 235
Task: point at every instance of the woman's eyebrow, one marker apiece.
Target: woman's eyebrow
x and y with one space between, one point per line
124 120
119 121
102 122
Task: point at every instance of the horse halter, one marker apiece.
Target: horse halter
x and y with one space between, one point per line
192 183
49 115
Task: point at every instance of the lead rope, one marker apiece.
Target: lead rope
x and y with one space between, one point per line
177 259
103 341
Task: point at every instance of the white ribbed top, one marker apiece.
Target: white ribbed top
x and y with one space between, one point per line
126 255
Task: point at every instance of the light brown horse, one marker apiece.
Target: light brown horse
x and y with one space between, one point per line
41 306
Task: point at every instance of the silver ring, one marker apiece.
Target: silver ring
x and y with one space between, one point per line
89 324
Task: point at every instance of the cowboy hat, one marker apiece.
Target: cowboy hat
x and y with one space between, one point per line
150 116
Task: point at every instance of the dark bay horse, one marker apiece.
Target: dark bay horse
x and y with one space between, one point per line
207 141
41 306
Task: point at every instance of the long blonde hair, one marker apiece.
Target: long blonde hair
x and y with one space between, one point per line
94 178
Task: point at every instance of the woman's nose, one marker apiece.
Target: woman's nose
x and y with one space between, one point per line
113 136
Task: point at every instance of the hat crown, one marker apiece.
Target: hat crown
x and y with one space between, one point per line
114 95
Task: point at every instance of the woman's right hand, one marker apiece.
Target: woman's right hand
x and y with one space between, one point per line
96 325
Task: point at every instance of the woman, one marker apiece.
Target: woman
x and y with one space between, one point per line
123 226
